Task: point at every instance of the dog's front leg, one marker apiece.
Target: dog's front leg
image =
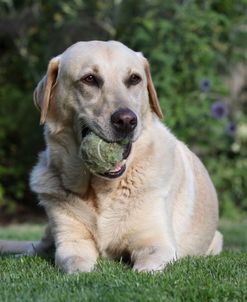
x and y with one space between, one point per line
75 246
152 258
152 245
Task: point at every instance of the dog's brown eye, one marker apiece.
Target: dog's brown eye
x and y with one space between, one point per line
90 80
134 79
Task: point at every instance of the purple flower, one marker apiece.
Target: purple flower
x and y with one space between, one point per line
219 110
231 128
205 85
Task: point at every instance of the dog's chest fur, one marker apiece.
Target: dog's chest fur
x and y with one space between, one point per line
118 207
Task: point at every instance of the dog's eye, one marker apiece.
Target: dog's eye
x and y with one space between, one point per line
134 79
90 80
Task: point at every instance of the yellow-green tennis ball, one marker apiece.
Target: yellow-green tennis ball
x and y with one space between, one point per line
99 155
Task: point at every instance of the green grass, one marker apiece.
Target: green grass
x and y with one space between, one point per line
220 278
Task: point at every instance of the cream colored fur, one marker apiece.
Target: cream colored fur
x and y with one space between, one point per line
163 208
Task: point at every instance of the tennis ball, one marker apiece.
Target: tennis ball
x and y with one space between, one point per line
99 155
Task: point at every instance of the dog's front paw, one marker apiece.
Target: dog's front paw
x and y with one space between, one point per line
75 264
152 259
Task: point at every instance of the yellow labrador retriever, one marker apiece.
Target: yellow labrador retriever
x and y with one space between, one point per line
157 205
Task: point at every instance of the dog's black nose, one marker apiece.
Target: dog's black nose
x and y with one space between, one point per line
124 120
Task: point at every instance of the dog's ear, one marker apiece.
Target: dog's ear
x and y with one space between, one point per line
43 91
153 99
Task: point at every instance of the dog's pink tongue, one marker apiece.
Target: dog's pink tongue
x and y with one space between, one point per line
117 167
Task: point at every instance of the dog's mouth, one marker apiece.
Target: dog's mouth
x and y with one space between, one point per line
85 131
118 168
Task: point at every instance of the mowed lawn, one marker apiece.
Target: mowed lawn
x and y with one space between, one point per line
220 278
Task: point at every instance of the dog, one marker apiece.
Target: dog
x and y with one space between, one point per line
156 206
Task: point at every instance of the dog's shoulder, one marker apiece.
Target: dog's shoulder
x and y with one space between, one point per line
43 180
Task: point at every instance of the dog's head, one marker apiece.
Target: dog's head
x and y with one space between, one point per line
103 87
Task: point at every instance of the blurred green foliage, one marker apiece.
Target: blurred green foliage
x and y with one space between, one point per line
193 47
